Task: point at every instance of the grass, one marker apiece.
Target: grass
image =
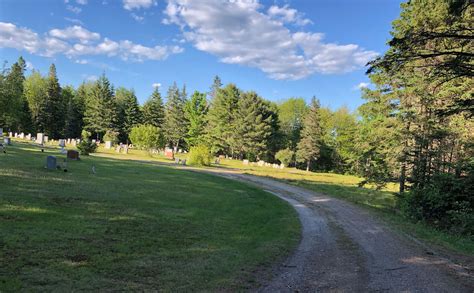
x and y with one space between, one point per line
133 226
380 202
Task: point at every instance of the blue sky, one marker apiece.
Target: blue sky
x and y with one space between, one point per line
280 49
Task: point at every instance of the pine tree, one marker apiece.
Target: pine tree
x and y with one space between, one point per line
129 113
153 110
220 134
251 126
101 113
216 85
195 111
73 119
311 135
175 126
54 105
12 98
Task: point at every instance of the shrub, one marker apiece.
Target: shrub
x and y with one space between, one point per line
446 203
200 156
147 137
86 147
111 136
284 156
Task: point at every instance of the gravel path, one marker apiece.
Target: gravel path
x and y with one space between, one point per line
345 249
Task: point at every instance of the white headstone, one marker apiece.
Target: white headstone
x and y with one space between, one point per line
46 138
108 144
40 138
62 142
21 135
245 162
28 136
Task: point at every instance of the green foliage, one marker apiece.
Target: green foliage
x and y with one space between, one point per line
285 156
153 110
86 147
311 136
11 95
221 120
446 202
35 88
54 111
147 137
175 124
291 114
111 136
128 111
199 156
195 111
73 118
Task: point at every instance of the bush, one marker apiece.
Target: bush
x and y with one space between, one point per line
86 147
111 136
446 203
199 156
285 156
147 137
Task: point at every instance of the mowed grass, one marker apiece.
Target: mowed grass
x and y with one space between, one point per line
133 226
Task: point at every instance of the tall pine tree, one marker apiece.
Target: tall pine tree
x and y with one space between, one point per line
54 105
311 135
129 113
153 110
175 126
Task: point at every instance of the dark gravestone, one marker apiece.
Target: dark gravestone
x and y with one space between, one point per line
7 141
51 162
73 155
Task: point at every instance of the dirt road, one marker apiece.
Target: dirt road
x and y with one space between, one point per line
345 249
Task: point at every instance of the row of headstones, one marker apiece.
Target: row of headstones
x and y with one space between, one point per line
263 164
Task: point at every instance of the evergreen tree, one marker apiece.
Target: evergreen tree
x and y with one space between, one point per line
252 126
73 118
101 113
220 131
195 111
11 96
153 110
129 113
175 125
54 105
216 85
291 113
311 135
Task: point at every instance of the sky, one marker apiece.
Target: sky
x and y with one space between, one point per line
279 49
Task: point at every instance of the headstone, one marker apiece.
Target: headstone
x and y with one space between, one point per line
74 142
51 162
183 162
118 148
125 149
46 138
10 134
21 135
40 138
261 163
62 143
282 166
108 144
245 162
73 155
180 151
16 135
276 166
177 160
28 136
221 157
93 141
169 153
7 141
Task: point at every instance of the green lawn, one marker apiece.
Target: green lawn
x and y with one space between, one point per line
381 202
133 226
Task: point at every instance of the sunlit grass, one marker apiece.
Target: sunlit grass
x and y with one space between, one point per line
133 226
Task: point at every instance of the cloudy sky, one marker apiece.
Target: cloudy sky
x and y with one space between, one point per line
278 48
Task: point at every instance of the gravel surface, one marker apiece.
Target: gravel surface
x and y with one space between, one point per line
345 249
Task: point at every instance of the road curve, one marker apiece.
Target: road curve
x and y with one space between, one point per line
345 249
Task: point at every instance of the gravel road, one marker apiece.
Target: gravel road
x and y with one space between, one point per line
346 249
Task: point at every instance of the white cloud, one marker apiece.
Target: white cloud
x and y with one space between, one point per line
286 14
138 4
74 20
361 86
81 2
74 42
239 33
137 17
156 85
88 77
81 61
29 65
74 9
75 32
